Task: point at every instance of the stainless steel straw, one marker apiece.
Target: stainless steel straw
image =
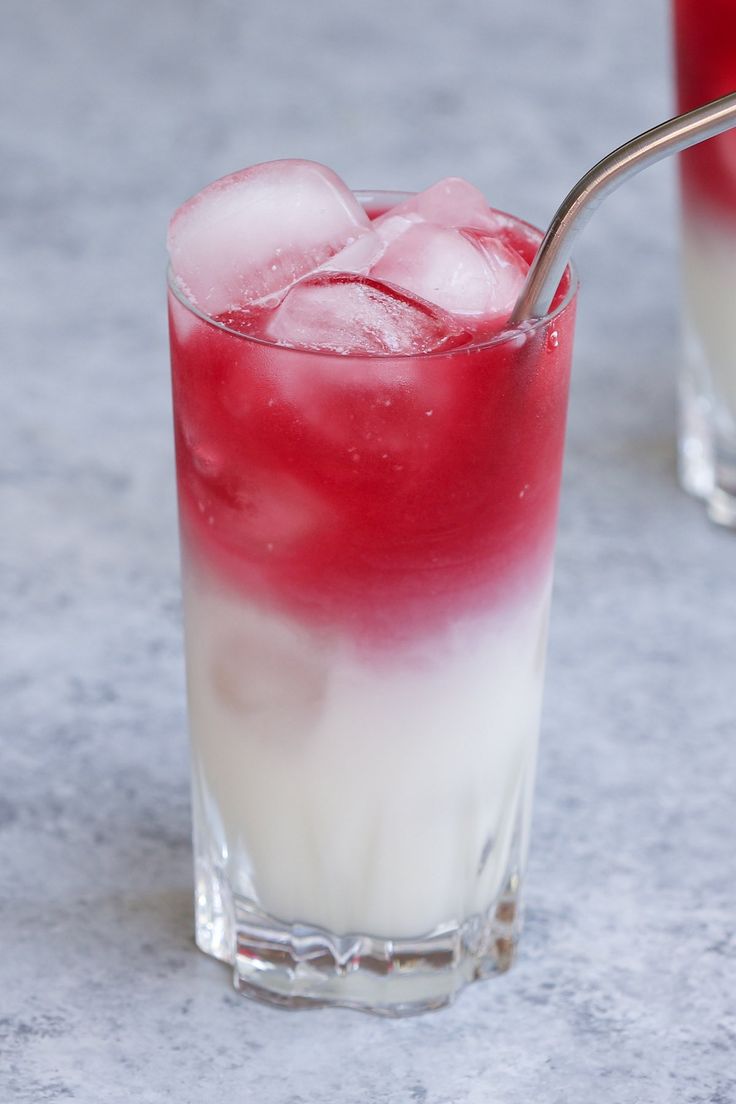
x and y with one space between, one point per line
554 253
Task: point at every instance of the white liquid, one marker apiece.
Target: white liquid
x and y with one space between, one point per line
356 793
709 276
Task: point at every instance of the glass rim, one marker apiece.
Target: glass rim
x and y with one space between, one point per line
366 194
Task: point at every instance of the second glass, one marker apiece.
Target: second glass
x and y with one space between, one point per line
367 563
705 54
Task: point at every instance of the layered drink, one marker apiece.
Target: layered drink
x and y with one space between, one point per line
705 50
368 464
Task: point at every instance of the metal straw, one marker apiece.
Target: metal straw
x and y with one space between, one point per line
553 255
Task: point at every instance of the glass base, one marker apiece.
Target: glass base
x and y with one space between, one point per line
706 443
296 966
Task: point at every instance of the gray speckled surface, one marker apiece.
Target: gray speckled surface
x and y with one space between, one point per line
625 988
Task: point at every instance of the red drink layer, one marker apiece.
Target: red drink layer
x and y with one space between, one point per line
382 496
705 50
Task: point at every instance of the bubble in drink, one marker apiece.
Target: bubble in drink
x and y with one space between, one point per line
254 233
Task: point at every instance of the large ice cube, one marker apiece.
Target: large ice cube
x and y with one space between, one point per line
451 202
352 314
254 233
469 275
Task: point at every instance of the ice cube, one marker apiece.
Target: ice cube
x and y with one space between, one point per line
389 227
261 665
252 234
356 257
353 314
269 513
452 203
469 275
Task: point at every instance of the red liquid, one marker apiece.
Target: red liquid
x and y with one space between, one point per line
385 495
705 47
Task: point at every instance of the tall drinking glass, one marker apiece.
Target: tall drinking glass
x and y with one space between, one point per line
705 55
367 547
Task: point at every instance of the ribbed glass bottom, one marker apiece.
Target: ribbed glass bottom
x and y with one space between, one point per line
295 966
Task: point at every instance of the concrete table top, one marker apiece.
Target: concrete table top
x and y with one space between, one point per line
625 988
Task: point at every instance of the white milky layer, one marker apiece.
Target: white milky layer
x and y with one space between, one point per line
709 272
359 794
